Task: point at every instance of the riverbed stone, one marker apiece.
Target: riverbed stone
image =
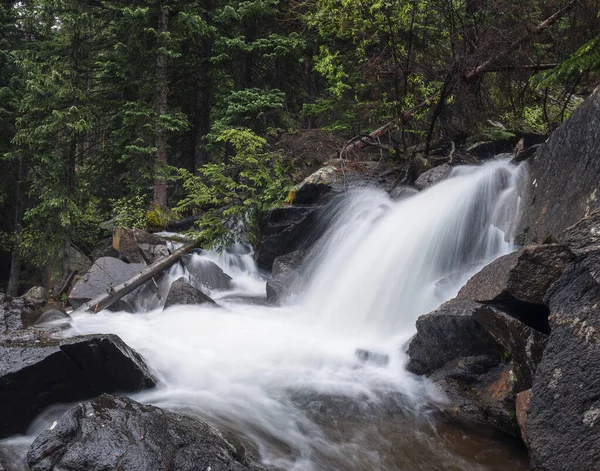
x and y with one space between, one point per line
37 371
114 433
182 293
207 273
105 274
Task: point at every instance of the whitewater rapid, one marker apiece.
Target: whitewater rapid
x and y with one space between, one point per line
286 380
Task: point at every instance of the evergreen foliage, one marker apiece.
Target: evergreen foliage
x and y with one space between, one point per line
101 101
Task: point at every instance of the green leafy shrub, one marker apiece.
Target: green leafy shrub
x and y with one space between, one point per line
236 191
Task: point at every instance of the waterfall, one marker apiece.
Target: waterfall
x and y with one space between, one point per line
384 263
286 380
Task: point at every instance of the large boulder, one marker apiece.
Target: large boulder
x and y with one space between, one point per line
285 230
207 273
105 274
520 281
36 372
432 176
563 421
287 262
314 186
564 175
137 246
285 273
181 292
449 333
38 296
280 286
479 356
113 433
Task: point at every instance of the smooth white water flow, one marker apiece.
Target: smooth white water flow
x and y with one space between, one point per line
286 380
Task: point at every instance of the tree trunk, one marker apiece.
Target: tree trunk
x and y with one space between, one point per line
202 122
15 261
162 91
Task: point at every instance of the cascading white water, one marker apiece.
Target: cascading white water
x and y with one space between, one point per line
387 263
287 380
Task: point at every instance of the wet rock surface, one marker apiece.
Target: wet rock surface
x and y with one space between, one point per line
563 422
106 273
117 433
479 356
563 176
285 230
520 281
181 293
287 270
37 371
207 273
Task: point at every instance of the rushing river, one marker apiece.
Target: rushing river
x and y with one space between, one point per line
286 380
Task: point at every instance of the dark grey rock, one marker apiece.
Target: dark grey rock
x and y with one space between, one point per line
524 345
563 421
479 356
432 176
520 282
207 273
53 317
287 262
563 176
113 433
37 371
181 292
77 261
449 333
281 286
285 230
584 236
106 273
16 313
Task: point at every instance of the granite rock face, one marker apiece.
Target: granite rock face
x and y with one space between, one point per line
563 176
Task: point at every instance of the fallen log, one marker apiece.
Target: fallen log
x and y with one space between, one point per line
106 300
